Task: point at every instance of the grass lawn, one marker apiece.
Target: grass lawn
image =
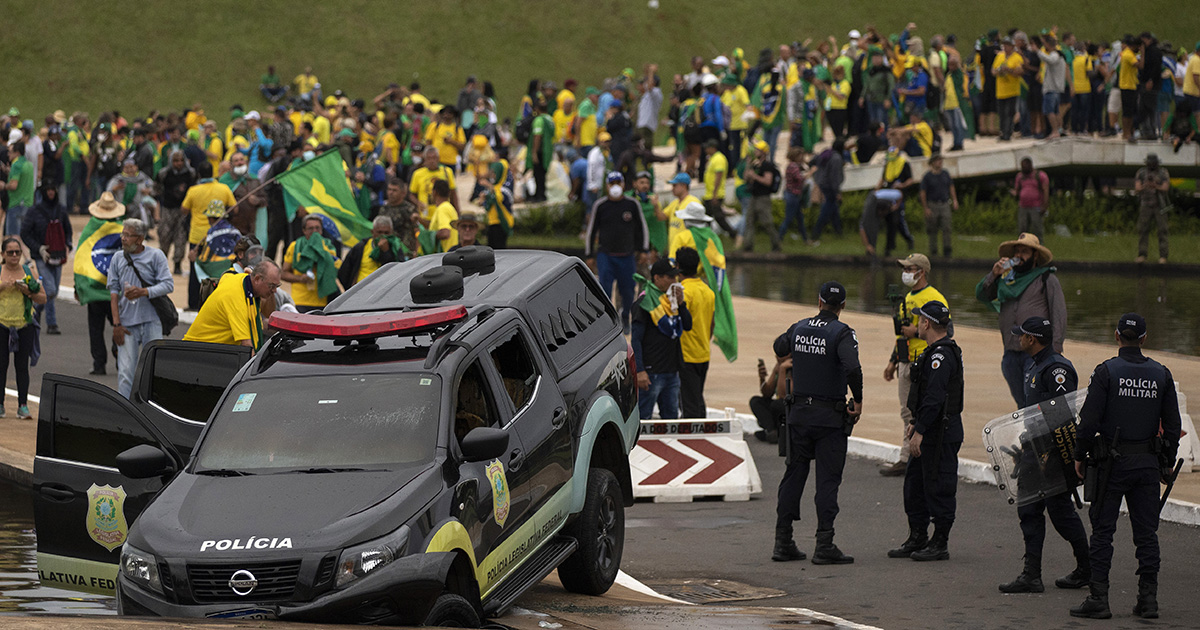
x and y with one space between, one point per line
165 55
1116 247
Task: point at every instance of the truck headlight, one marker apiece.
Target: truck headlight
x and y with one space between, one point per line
361 560
141 568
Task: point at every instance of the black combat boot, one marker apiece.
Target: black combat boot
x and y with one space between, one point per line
1030 580
785 548
1078 578
827 552
917 539
1147 601
937 549
1096 605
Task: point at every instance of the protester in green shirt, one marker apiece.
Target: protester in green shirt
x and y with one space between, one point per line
271 87
540 150
21 185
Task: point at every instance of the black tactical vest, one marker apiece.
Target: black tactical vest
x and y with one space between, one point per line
1039 381
1135 393
816 370
954 401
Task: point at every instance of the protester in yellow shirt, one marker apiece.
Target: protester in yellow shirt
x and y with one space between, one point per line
424 178
306 282
1007 68
199 197
564 122
447 136
679 188
566 93
695 343
444 219
1127 82
214 148
305 83
232 315
735 97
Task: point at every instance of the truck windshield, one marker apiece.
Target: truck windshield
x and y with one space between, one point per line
361 421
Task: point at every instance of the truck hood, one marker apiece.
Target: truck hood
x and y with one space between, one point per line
208 517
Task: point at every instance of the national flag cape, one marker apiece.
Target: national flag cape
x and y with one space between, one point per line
658 305
712 258
768 101
958 83
320 186
98 242
216 255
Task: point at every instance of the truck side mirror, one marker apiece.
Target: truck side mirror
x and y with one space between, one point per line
483 443
144 462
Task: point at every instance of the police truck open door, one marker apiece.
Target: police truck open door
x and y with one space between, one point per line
83 505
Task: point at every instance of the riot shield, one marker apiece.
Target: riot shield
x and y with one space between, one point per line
1032 450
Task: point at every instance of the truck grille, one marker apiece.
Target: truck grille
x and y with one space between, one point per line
276 581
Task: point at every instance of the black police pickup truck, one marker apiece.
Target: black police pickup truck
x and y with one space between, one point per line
442 437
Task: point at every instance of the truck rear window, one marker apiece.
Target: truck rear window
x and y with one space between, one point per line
334 421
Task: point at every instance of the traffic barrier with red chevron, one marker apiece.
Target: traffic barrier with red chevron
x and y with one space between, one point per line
678 460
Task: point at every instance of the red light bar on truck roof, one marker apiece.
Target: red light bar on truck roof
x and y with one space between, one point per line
355 326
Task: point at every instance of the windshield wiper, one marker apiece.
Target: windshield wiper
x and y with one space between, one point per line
223 472
323 470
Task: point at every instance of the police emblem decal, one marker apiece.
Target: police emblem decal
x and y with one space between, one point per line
106 523
500 497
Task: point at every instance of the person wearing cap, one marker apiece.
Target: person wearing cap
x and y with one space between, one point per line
539 150
712 117
939 198
825 351
658 322
737 100
1020 285
587 126
1049 376
935 436
198 199
696 341
761 176
1133 408
135 189
1152 184
652 211
909 346
680 190
1008 68
1128 66
615 238
599 161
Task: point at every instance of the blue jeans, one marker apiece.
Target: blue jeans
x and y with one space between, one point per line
1023 112
127 353
1081 112
1012 366
793 210
830 213
664 390
51 280
77 190
12 220
958 126
876 113
621 269
771 136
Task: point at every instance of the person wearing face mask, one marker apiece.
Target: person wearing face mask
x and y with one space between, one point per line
173 184
615 242
909 346
1020 285
935 436
250 201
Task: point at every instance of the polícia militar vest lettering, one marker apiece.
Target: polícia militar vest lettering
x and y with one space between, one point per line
954 400
816 370
1039 385
1135 394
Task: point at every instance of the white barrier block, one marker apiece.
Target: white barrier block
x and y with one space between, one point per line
678 460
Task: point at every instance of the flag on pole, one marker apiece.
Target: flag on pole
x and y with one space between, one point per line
320 186
712 258
98 242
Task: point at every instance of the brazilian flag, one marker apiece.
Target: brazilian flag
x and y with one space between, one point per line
426 241
320 187
712 258
98 242
768 100
216 253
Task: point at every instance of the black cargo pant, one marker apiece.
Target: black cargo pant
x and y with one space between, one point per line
827 445
1066 522
691 390
97 313
930 486
1134 478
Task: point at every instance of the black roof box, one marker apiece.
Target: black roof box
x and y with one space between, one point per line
437 285
472 259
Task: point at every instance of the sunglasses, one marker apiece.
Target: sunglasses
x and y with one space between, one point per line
16 252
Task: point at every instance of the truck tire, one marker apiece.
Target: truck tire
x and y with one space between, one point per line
452 611
600 533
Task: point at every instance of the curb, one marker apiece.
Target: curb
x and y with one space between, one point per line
1176 511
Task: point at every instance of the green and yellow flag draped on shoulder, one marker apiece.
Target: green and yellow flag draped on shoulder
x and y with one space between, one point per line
712 258
320 186
98 242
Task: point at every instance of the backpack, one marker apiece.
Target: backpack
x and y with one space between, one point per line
524 129
55 240
776 179
691 125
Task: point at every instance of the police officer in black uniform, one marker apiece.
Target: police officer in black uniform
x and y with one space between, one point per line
824 354
1050 375
936 402
1130 400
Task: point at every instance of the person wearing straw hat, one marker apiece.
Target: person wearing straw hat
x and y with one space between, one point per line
1020 285
98 241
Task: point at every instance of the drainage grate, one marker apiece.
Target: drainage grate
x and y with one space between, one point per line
701 591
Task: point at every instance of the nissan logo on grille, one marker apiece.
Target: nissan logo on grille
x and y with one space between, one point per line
243 582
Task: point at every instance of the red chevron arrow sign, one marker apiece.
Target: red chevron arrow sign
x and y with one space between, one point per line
678 462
